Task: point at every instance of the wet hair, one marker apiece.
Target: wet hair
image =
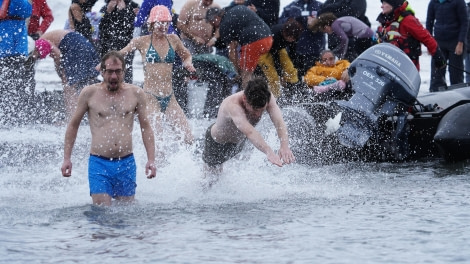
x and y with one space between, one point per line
257 93
325 19
112 54
292 28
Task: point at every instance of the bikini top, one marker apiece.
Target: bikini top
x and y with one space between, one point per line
153 57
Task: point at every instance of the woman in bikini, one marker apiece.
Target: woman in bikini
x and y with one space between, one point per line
158 52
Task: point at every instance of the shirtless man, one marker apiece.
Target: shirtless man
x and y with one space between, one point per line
238 114
111 106
196 32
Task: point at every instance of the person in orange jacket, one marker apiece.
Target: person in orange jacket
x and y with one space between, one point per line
40 19
326 72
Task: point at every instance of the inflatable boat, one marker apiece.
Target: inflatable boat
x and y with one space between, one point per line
383 119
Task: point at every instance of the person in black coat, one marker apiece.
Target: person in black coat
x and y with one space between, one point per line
116 29
340 8
268 10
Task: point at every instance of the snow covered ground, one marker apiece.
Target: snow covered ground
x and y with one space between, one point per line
47 79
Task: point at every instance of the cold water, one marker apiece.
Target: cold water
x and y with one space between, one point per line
414 212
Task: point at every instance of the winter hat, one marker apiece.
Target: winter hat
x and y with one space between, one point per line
394 3
44 47
159 13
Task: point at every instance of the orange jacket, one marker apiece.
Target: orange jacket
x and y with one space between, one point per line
320 72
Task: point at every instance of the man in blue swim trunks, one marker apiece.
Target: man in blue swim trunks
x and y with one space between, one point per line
111 106
236 120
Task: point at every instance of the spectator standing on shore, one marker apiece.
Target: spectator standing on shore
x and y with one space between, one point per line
78 21
467 48
306 51
447 21
40 19
13 54
196 32
400 27
116 30
268 10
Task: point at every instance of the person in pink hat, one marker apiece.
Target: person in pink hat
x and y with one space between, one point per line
159 50
74 58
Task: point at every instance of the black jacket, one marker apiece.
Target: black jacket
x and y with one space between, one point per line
355 8
268 10
116 28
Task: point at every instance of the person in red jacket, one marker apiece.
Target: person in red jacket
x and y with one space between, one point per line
400 27
38 26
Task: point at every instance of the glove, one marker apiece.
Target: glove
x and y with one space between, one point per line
439 59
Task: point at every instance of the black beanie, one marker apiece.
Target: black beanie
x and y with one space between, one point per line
394 3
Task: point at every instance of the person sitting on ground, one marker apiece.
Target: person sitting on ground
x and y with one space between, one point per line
75 59
354 35
112 106
238 115
158 51
328 74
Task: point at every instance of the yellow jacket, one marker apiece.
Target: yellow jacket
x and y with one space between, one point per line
320 72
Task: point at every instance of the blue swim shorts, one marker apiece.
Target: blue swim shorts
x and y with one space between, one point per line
116 177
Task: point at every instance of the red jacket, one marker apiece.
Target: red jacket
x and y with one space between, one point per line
40 10
404 30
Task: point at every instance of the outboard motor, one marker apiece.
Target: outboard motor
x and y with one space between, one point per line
385 84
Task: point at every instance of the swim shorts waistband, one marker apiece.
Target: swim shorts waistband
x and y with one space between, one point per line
112 159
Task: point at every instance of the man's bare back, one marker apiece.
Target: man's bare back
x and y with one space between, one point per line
225 130
238 114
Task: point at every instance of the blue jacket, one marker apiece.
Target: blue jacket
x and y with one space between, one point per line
13 32
447 21
309 43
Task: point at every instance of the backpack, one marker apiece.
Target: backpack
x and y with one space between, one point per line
4 9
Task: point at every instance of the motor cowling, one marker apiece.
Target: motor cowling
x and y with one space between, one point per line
385 84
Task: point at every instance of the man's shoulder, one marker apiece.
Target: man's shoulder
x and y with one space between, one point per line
91 88
131 87
232 101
